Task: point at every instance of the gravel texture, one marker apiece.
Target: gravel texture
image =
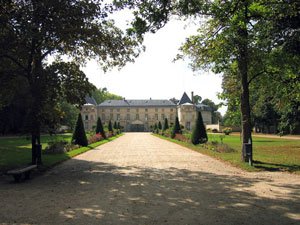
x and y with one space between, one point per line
141 179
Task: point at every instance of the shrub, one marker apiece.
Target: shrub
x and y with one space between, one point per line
79 136
176 128
59 147
95 138
159 125
215 130
99 128
55 147
166 124
227 130
115 125
209 130
199 135
110 129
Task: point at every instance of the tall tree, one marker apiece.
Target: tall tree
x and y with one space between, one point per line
33 30
235 38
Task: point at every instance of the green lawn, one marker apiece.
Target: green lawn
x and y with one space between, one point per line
268 153
16 151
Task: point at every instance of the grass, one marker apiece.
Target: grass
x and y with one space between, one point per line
16 151
269 154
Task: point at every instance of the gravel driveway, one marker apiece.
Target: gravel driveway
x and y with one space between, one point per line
141 179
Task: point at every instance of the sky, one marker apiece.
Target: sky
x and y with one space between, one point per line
154 74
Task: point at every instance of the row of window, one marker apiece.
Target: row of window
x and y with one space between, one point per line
137 110
128 117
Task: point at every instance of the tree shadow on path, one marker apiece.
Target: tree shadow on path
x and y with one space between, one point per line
100 193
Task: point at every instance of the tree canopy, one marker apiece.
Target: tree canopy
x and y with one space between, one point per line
242 39
34 30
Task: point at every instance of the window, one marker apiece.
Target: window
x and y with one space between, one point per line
128 110
118 110
92 117
171 117
137 110
118 117
146 117
86 117
137 116
162 110
128 116
146 110
103 110
111 110
103 116
156 116
111 116
188 125
156 109
162 116
171 110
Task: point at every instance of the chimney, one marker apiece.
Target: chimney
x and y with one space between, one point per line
192 95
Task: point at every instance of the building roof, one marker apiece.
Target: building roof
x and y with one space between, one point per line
202 107
185 99
137 103
90 100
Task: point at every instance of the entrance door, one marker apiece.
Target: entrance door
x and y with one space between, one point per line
137 128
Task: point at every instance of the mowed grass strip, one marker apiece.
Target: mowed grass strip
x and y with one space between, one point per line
16 151
269 154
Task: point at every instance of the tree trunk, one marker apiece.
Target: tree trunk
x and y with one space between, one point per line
243 70
36 107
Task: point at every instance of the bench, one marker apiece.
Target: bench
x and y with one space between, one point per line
17 173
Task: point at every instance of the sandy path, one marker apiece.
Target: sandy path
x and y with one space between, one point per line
140 179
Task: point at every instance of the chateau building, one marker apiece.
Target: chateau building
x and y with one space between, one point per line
141 115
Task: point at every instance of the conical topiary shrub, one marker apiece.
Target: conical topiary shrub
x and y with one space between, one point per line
177 129
79 136
159 125
99 128
110 129
199 135
166 124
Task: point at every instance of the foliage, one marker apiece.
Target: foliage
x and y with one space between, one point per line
159 126
15 151
176 128
95 138
115 125
197 99
102 94
69 114
110 128
79 136
199 135
166 124
241 39
99 128
227 130
31 31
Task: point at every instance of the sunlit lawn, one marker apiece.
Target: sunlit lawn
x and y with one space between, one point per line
268 153
16 151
